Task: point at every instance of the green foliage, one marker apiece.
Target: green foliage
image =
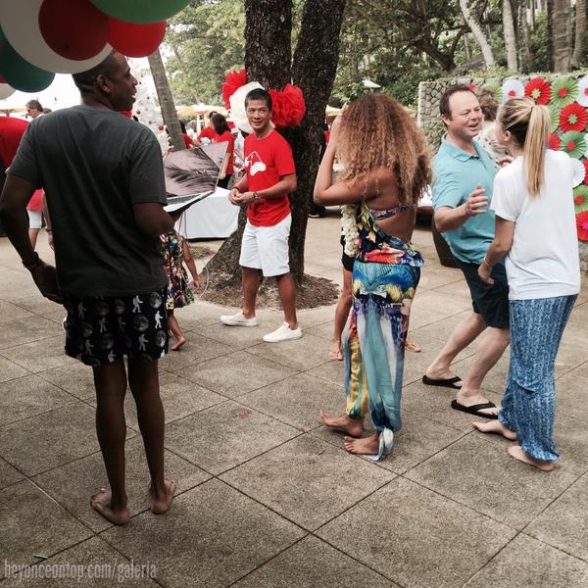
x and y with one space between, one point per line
539 44
206 41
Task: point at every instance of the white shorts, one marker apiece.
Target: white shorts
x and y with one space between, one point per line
266 248
35 219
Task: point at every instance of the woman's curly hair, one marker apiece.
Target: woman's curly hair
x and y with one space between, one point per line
376 131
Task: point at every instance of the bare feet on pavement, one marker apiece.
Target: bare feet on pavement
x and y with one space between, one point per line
160 502
335 351
178 344
518 452
366 446
496 427
343 423
101 503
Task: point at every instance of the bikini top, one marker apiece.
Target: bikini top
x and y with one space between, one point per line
388 212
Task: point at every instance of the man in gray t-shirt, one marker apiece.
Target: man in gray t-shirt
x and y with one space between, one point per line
103 178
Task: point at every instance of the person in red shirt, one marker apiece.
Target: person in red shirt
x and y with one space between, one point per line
270 177
218 131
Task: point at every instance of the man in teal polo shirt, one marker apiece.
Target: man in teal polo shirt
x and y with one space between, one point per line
462 190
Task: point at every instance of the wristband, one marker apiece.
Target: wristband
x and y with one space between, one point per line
34 264
487 263
256 197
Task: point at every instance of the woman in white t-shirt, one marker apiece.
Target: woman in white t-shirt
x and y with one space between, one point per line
536 231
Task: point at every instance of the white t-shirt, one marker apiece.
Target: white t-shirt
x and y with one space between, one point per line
544 260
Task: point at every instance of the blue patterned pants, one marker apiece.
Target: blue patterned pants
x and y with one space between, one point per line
528 405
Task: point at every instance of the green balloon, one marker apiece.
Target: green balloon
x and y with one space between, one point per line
20 74
140 11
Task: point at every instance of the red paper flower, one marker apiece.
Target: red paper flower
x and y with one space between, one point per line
234 79
288 106
573 117
582 226
538 90
554 142
586 174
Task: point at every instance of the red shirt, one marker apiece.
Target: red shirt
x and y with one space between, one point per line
210 133
266 161
11 132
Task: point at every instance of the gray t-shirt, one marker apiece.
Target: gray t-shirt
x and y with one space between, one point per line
94 164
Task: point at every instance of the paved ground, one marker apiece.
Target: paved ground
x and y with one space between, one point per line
267 497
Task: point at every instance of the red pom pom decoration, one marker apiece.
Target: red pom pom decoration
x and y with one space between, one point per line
233 81
573 117
554 142
288 107
538 90
582 226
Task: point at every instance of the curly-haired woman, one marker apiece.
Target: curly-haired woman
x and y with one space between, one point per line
386 168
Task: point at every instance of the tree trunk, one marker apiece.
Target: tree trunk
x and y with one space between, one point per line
314 72
523 37
510 38
478 33
268 61
560 17
166 101
578 54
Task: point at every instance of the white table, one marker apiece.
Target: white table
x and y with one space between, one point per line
212 218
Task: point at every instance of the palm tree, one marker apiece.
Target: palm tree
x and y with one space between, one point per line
166 101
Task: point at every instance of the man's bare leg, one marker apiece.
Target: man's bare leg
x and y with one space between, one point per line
488 352
519 453
343 423
110 382
144 384
250 282
465 332
496 427
287 293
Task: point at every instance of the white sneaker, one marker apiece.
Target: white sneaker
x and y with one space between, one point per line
238 320
283 333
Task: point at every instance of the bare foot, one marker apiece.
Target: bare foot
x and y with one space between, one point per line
366 446
344 423
518 452
335 351
465 400
412 346
162 501
178 344
101 503
496 427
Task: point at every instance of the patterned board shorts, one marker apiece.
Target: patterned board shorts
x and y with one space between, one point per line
101 329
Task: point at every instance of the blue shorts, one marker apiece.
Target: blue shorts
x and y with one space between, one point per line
488 300
100 330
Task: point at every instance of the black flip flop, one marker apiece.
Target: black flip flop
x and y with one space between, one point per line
444 383
475 409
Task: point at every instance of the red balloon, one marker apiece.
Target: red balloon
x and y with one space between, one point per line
135 40
75 29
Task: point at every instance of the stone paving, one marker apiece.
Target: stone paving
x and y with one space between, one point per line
267 497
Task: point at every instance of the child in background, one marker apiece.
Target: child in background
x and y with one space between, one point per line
35 212
180 290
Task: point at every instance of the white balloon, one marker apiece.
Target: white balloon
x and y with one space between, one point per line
20 25
5 91
237 101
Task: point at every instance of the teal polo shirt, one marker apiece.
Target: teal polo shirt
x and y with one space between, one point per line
456 174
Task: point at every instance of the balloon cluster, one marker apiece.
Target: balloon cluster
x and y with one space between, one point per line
39 38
